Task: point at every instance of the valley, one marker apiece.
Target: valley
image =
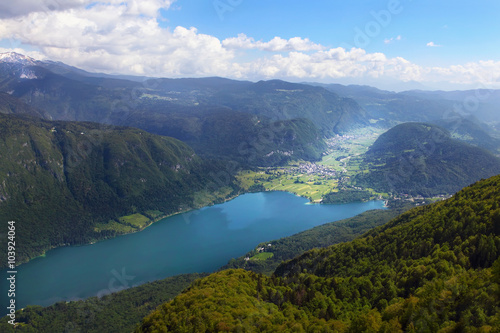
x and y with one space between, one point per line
132 180
313 180
331 180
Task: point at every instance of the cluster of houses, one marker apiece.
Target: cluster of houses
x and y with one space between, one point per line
259 250
418 200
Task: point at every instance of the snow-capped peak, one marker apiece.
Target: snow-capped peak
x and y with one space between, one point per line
13 57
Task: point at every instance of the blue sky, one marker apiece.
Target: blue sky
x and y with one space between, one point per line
435 43
466 30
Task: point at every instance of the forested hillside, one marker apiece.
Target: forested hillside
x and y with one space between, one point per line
73 183
12 105
434 268
280 100
423 159
321 236
237 136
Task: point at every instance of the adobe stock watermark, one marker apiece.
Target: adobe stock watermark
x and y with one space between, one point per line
471 103
89 309
469 106
223 6
373 28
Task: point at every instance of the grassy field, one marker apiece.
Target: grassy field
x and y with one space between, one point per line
138 221
343 148
314 180
204 198
290 179
129 223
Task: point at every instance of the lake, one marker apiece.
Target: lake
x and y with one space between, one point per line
197 241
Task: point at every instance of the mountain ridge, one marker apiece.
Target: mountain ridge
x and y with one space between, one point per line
423 159
99 174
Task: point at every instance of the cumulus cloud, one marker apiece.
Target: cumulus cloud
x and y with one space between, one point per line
119 37
277 44
473 72
24 7
334 63
124 36
18 8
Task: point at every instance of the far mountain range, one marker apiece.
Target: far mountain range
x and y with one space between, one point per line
255 123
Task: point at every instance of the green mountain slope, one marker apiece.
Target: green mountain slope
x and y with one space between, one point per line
280 100
321 236
73 183
12 105
237 136
423 159
434 268
471 131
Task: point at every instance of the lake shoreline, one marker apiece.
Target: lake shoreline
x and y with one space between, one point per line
159 218
152 221
211 238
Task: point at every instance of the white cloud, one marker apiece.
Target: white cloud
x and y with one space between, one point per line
487 72
334 63
119 37
277 44
24 7
17 8
123 36
432 44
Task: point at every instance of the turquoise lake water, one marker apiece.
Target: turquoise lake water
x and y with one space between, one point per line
197 241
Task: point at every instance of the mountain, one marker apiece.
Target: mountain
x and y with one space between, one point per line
483 103
74 183
471 116
471 131
199 108
16 60
433 268
12 105
423 159
59 98
280 100
232 135
387 108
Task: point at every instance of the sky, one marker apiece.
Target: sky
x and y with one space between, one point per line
391 44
